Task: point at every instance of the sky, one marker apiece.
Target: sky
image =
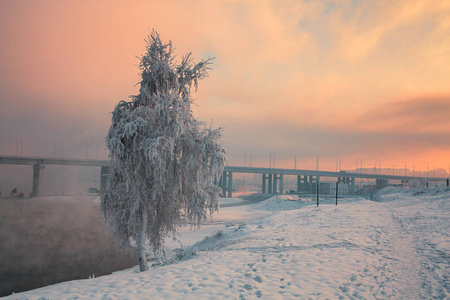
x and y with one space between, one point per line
360 81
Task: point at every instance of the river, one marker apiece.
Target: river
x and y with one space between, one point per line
48 240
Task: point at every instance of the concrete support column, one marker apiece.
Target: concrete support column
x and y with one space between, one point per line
230 184
298 183
104 175
38 170
281 184
270 184
275 178
352 185
263 188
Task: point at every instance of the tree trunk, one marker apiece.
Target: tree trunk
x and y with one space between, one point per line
143 266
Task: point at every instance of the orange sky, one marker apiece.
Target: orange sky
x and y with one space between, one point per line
359 80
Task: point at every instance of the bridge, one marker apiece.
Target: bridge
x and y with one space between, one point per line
272 178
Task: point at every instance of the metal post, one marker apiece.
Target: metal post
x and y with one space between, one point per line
317 184
337 187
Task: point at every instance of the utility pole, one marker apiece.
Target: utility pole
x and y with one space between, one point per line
245 159
270 158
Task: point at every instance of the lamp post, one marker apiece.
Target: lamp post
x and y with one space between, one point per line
19 146
317 162
54 147
270 159
245 158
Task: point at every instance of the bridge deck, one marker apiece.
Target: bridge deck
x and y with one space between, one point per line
31 160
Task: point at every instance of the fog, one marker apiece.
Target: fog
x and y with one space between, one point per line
56 180
54 239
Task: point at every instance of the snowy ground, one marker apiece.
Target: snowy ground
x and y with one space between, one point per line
396 247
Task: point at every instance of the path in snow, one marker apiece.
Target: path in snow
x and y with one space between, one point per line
397 248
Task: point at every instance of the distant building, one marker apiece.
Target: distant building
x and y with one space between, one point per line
329 188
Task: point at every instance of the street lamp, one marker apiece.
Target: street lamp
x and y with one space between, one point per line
317 162
245 158
54 148
270 159
295 161
19 145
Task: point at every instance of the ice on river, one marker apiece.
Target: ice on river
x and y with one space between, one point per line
394 247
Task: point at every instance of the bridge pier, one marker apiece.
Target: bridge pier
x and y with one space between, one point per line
38 170
281 183
313 187
263 185
272 179
270 183
302 183
226 184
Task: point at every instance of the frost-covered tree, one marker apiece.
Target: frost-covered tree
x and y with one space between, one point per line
164 163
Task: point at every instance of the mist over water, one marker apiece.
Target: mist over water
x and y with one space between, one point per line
54 239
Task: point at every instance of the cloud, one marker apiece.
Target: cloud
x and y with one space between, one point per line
321 77
425 115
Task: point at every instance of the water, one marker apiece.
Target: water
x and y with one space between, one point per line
48 240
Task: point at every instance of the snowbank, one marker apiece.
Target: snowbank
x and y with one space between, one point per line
397 248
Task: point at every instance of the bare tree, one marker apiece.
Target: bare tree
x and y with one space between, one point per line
164 163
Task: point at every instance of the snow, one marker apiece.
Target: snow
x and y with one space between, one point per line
395 247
